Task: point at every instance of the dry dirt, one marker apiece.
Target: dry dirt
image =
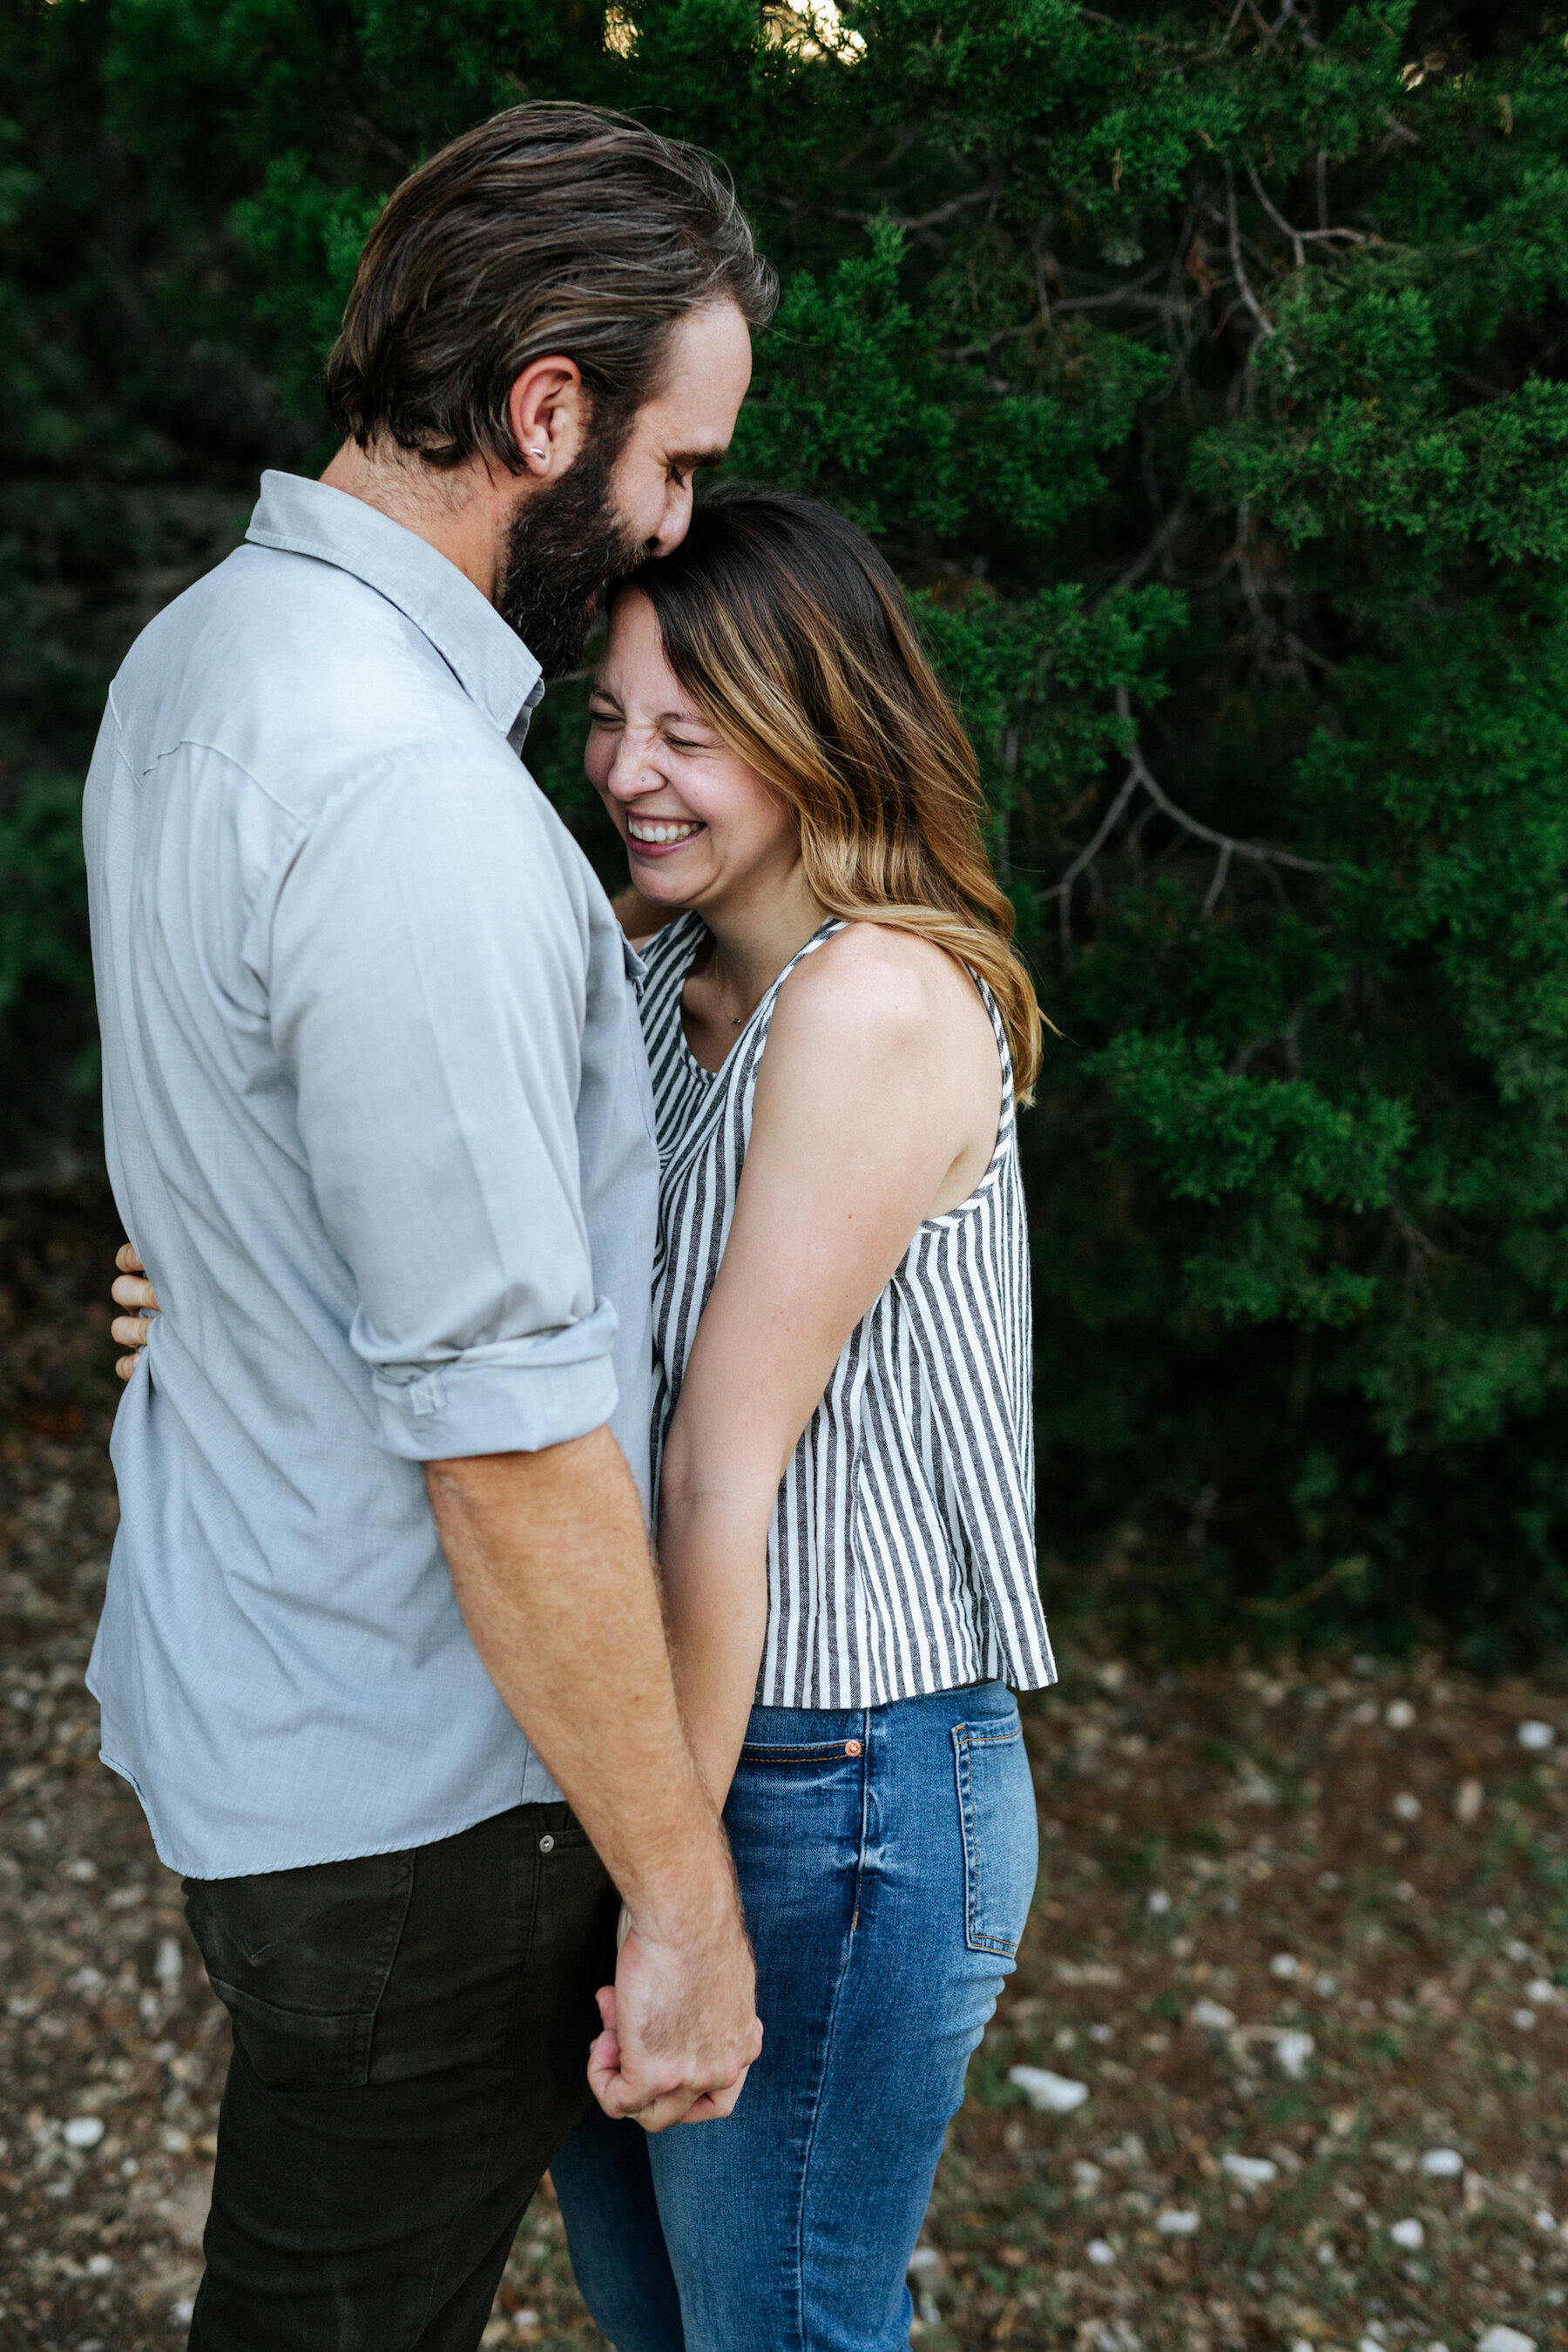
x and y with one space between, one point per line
1314 1919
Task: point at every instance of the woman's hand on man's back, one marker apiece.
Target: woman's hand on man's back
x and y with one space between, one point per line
131 1289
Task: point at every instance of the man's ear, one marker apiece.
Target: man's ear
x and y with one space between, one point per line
547 410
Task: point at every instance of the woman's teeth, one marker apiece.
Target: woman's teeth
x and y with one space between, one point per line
657 832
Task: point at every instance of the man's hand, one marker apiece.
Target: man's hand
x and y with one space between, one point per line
680 2028
551 1566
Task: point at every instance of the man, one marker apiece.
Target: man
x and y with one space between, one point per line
382 1651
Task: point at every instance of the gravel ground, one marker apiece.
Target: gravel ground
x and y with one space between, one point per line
1312 1920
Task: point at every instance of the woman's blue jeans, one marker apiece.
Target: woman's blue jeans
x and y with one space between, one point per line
887 1858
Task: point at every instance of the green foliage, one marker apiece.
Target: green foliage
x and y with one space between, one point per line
1205 371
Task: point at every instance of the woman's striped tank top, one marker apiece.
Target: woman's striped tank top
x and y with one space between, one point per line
902 1557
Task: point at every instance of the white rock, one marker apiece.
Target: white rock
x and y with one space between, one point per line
925 2264
1505 2339
1443 2163
1468 1802
1541 1990
1325 1986
1087 2176
1174 2223
1251 2171
1212 2015
1052 2094
1101 2251
1158 1902
1292 2049
1399 1715
1537 1737
83 2131
1544 2220
1407 1807
1300 2345
1408 2234
169 1965
1284 1964
1525 2019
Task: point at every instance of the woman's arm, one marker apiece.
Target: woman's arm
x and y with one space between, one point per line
866 1100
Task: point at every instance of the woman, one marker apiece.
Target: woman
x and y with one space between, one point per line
836 1025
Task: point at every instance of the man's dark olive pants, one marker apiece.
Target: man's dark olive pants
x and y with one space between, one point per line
411 2033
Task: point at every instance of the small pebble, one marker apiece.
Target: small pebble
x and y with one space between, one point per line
1101 2251
83 2131
169 1965
1537 1737
1251 2171
1541 1990
1051 2094
1408 2234
1087 2176
1158 1902
1467 1803
1325 1986
1543 2220
1443 2163
1399 1715
1292 2051
1212 2016
1505 2339
1284 1964
1407 1807
1176 2223
1525 2019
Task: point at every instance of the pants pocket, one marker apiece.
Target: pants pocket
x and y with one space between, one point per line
300 1959
1001 1834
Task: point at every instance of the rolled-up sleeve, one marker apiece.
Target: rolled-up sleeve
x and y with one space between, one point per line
426 972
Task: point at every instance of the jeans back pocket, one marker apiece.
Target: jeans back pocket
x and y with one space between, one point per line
1000 1833
300 1958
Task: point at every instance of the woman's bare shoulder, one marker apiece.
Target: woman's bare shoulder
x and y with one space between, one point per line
878 981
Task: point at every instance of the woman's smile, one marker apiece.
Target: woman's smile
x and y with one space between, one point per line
654 836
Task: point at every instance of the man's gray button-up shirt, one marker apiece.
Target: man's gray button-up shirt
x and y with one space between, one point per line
378 1120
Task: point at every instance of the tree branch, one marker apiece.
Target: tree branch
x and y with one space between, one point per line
1137 780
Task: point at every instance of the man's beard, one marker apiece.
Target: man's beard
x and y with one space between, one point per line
566 542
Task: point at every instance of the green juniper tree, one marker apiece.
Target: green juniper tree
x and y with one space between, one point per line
1202 368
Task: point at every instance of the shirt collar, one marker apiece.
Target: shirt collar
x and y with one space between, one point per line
488 658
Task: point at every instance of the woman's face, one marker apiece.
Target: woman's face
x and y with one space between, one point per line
700 825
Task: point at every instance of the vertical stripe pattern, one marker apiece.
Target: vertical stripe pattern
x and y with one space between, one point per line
901 1554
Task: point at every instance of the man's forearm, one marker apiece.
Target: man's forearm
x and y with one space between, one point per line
551 1566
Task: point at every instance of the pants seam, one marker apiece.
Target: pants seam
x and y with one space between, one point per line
828 2038
438 2265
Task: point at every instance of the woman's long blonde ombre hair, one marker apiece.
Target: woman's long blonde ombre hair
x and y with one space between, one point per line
790 632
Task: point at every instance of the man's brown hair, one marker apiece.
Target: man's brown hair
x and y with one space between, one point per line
550 229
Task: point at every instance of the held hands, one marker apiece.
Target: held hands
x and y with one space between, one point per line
133 1289
680 2025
